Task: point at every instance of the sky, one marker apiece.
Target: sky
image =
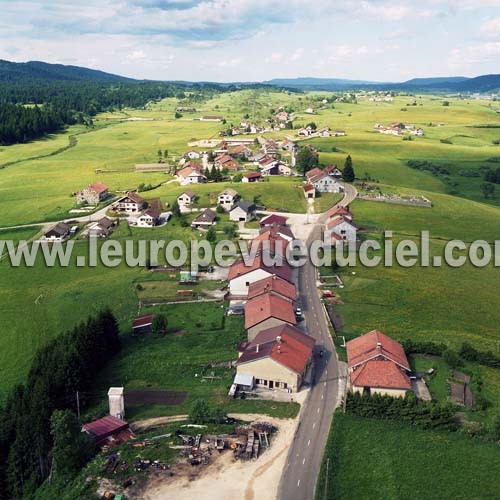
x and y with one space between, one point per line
256 40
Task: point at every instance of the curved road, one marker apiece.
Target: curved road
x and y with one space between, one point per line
298 481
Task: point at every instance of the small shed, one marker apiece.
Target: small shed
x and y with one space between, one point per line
244 381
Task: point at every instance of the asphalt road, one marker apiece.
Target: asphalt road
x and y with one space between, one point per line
298 481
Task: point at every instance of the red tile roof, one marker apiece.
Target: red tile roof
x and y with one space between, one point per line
144 320
308 187
314 172
375 345
240 268
293 349
339 219
98 187
273 219
380 373
272 284
104 427
339 210
275 229
187 171
253 175
268 306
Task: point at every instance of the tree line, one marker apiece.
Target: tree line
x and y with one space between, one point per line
28 422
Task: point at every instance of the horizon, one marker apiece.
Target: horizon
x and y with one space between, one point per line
250 41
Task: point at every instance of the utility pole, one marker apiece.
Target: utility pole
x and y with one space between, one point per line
326 478
78 404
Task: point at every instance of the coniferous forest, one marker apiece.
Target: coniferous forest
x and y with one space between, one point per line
67 364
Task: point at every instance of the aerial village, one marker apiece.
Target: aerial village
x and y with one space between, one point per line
282 354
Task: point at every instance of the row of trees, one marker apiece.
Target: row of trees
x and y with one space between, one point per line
67 364
423 414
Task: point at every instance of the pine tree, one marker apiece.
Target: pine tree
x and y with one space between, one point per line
348 172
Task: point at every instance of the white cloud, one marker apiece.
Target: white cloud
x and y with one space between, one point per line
297 54
465 57
275 57
491 28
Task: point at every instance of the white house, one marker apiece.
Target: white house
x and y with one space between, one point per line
190 175
243 211
326 183
186 198
227 198
342 227
309 111
193 155
147 219
324 132
132 203
241 275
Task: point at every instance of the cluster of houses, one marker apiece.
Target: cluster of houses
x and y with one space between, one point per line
399 129
277 354
310 131
239 210
325 180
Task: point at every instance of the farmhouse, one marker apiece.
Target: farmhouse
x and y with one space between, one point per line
227 162
143 324
189 175
149 218
277 358
186 198
206 219
340 133
326 183
93 194
102 228
58 232
266 311
243 211
377 365
274 285
271 243
342 227
227 198
252 177
132 203
242 275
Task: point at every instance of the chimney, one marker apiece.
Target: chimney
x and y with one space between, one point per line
278 339
379 346
257 348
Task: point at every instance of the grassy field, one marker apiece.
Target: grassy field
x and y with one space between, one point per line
201 335
374 459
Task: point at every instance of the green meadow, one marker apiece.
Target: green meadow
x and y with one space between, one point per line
375 459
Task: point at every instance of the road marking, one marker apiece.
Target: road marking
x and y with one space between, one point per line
314 425
322 395
303 461
298 483
317 411
324 383
309 442
326 371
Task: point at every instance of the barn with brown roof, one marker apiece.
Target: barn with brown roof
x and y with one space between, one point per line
266 311
277 358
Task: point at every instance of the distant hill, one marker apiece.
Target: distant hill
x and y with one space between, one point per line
36 70
452 84
435 81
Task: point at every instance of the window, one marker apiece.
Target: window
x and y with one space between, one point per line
285 385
